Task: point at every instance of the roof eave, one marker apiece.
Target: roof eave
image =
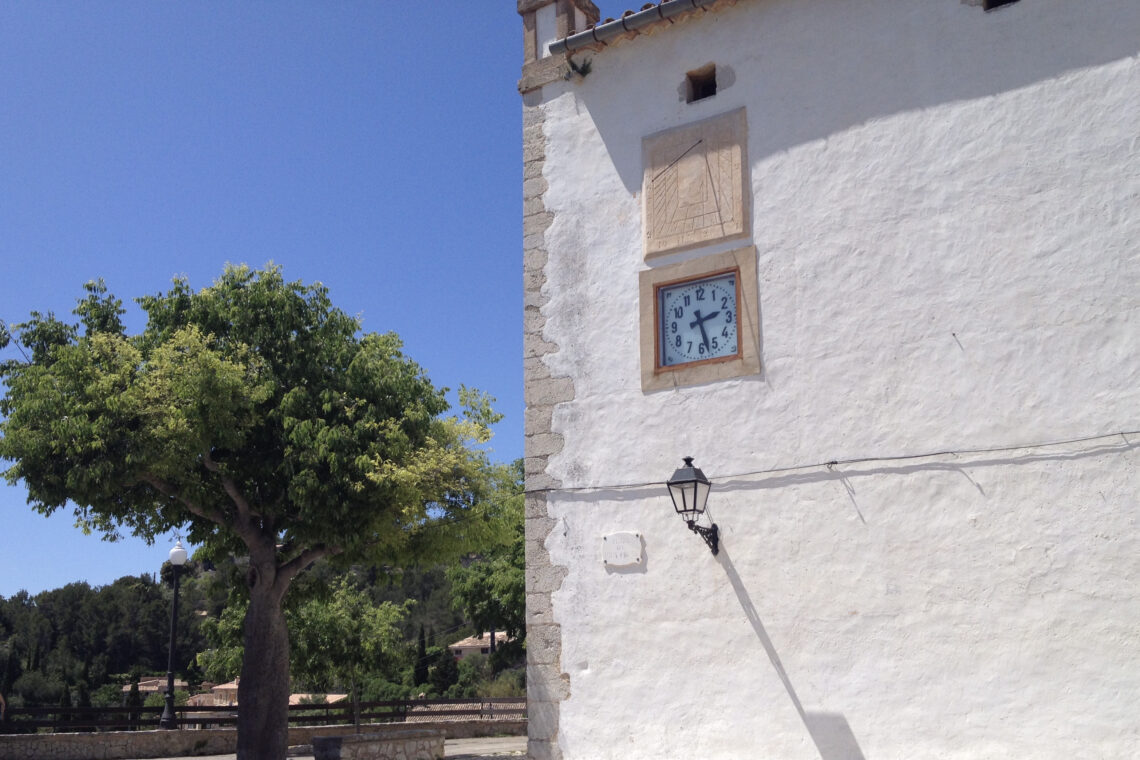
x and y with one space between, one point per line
631 23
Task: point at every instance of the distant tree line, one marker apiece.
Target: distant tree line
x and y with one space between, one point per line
376 633
83 644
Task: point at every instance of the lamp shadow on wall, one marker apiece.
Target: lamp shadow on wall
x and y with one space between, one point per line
830 732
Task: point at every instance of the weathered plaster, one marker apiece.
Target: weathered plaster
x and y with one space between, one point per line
946 207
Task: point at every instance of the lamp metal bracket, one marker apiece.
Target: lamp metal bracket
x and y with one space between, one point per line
710 535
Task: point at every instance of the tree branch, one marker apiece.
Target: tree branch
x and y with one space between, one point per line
209 462
293 567
168 490
245 514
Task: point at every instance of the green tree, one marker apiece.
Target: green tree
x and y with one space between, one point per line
445 673
78 635
256 417
341 639
221 662
10 667
83 701
474 670
491 591
420 669
31 636
35 688
158 698
108 695
134 699
133 613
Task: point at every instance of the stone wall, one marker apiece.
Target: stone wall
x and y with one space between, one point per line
132 745
118 745
405 744
547 684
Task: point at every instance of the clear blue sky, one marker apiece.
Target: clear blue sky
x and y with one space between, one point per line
374 146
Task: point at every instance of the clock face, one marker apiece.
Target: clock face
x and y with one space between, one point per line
696 320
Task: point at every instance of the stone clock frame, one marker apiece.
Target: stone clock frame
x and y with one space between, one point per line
654 377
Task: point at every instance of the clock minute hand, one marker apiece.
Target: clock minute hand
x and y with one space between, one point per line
700 322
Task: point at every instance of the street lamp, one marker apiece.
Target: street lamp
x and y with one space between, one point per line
177 560
689 489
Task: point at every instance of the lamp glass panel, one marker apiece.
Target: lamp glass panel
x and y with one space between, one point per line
702 496
682 494
178 555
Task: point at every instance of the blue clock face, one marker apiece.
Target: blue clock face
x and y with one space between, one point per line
696 320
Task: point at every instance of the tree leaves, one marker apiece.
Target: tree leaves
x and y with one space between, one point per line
255 416
252 408
338 639
491 590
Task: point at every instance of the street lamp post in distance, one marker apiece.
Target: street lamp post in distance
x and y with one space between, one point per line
177 560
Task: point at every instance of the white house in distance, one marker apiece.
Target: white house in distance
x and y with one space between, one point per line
155 685
477 644
226 695
873 265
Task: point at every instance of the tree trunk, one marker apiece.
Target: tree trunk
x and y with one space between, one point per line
355 704
263 692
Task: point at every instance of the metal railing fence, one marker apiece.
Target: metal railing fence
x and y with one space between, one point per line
85 719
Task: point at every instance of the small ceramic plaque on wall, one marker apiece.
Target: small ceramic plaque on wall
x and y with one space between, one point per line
694 184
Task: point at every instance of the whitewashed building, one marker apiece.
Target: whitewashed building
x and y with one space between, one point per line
916 391
480 644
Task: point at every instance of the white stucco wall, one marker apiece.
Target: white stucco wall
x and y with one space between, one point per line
946 208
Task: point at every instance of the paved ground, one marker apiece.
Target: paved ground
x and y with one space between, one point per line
496 746
465 749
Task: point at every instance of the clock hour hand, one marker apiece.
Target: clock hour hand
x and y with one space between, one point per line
700 322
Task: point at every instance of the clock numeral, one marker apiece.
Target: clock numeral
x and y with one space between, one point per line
698 304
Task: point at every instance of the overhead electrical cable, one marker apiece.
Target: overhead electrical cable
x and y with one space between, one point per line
830 464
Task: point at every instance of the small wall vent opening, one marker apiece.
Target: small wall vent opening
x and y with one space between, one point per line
989 5
701 83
